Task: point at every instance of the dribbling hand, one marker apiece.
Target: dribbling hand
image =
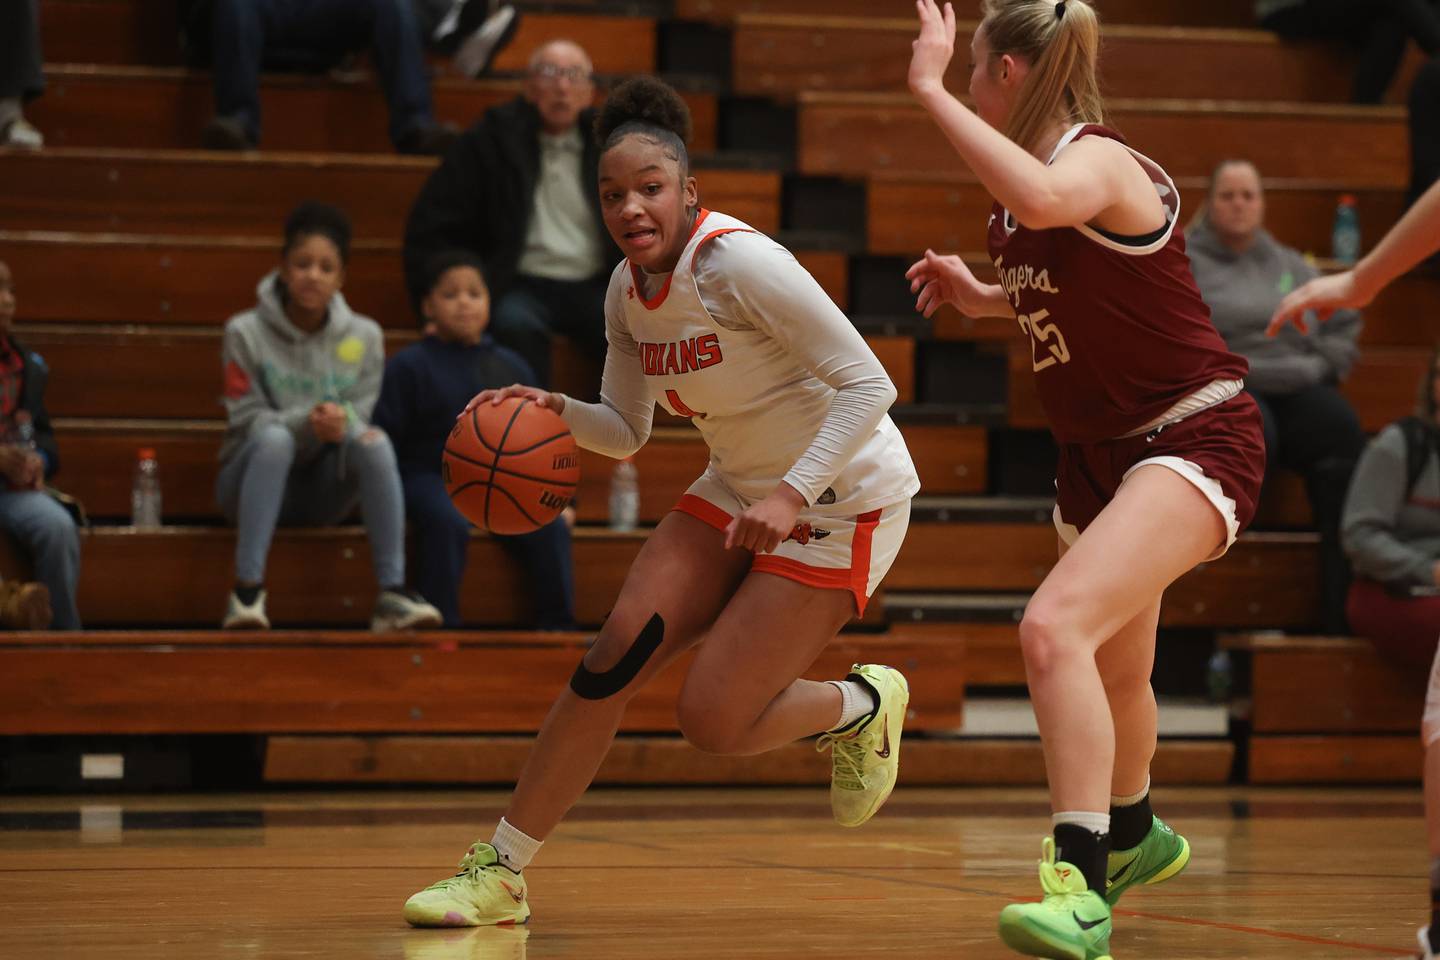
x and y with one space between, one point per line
1324 295
541 398
936 280
764 526
932 50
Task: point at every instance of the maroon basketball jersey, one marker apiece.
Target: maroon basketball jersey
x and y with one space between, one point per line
1118 331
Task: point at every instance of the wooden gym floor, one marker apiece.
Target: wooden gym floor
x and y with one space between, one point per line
694 874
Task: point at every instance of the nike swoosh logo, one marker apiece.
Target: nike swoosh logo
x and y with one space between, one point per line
516 895
1123 870
1086 924
884 752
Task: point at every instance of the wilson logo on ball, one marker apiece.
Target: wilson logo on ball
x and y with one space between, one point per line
553 502
565 461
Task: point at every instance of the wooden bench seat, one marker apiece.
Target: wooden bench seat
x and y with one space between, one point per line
857 134
1217 13
353 682
111 372
144 33
162 108
1330 709
778 55
205 193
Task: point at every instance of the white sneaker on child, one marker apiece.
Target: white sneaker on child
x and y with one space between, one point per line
396 610
243 616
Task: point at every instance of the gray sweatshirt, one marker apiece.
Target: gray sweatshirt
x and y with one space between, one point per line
275 373
1390 536
1243 290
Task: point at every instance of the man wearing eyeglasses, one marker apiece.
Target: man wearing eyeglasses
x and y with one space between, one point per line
519 191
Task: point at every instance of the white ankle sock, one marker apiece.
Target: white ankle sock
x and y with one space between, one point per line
856 701
1131 800
516 848
1094 822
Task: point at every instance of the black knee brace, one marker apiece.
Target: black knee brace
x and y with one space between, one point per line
598 686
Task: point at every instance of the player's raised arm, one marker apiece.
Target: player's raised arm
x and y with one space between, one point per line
1414 238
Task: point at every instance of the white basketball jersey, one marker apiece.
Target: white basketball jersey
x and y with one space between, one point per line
757 406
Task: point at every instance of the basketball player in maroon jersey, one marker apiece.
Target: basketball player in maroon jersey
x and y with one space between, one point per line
1415 237
1161 450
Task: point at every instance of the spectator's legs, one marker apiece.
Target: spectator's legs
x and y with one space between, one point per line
1382 46
251 490
21 75
1403 629
370 459
48 534
1419 21
1425 129
442 540
1272 432
546 556
577 310
399 53
522 322
237 37
1321 437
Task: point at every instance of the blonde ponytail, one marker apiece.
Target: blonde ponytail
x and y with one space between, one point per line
1061 42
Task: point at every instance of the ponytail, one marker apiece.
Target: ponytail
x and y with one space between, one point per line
1061 41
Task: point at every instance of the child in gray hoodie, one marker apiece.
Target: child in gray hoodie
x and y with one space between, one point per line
302 373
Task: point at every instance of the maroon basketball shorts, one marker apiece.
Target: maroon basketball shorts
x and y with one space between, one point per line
1221 450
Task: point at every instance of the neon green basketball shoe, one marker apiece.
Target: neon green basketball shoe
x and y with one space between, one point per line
865 759
1072 922
1161 855
481 894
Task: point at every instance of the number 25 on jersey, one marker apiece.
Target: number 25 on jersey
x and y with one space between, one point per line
1044 334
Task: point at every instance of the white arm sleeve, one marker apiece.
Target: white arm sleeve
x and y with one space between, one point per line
619 424
753 279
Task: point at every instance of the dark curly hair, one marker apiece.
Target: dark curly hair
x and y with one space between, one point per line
310 219
651 109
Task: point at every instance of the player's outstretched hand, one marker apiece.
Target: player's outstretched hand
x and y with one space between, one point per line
766 525
932 50
1324 295
542 398
940 279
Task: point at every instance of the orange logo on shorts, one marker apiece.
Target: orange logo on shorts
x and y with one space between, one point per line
804 533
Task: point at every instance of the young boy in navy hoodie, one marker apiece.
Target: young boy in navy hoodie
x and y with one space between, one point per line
425 386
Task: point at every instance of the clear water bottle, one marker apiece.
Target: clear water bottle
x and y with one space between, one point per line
1345 238
145 491
624 496
1220 676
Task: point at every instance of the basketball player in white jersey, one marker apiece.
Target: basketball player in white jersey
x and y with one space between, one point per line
771 551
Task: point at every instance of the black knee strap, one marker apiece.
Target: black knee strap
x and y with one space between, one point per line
598 686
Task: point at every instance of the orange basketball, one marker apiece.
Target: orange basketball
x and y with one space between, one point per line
510 467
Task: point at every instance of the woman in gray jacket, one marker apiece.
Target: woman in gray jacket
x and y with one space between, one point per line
302 374
1243 273
1391 533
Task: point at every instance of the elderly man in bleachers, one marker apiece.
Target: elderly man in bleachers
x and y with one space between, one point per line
519 192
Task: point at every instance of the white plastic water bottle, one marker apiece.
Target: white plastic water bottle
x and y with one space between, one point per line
1345 238
624 496
145 491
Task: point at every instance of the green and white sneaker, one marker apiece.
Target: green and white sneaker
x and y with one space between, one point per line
483 893
1161 855
1072 922
865 760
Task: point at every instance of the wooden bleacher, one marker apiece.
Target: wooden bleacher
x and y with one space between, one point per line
855 134
129 248
1329 709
